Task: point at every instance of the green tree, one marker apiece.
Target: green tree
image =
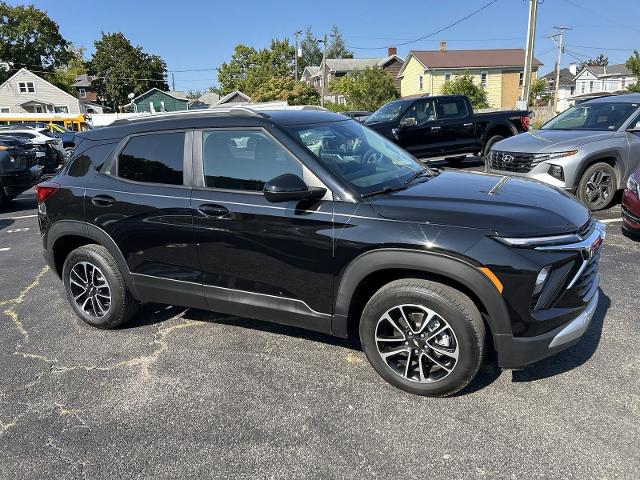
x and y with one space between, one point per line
65 76
368 89
287 89
311 52
29 38
600 60
121 69
249 68
539 94
337 48
464 85
195 94
633 64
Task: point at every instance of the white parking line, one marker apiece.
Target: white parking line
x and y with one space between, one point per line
18 218
611 220
5 249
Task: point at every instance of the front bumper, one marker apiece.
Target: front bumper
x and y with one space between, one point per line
516 352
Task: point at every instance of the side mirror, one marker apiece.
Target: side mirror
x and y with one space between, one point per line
408 122
634 128
291 187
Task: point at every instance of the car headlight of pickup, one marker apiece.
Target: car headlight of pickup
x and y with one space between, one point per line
632 186
544 157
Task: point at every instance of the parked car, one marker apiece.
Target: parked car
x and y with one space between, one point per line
18 168
67 136
445 126
48 149
631 205
306 218
358 115
589 150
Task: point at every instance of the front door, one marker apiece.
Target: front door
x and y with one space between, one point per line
141 200
421 138
271 261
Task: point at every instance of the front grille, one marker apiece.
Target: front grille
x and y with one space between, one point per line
511 161
588 276
586 229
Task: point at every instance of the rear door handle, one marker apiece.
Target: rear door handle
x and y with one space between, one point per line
103 201
435 129
213 210
468 125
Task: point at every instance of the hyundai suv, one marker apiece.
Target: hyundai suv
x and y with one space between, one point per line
307 218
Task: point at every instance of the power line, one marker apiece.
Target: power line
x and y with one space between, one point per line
601 48
432 33
599 15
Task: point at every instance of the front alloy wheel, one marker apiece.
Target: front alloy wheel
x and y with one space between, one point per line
597 186
417 343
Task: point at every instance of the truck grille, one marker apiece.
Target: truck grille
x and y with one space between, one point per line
511 161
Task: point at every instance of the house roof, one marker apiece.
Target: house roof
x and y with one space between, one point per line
210 98
351 64
174 94
566 77
312 70
83 81
609 70
497 57
229 96
39 78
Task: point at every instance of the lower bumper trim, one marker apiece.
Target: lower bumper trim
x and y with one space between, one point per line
578 326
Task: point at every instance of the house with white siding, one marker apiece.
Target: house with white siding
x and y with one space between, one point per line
26 92
603 78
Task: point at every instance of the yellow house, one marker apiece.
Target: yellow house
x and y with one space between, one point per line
499 71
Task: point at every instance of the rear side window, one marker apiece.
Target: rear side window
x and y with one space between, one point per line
156 158
91 159
452 108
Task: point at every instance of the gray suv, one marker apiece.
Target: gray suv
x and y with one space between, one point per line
589 149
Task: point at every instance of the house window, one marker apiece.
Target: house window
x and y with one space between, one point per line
61 109
38 109
483 79
5 110
591 86
420 83
82 92
26 87
521 79
447 77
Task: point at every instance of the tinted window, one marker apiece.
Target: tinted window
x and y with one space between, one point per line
422 111
244 160
153 158
92 157
452 108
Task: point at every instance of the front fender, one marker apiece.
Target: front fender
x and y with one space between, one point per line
439 264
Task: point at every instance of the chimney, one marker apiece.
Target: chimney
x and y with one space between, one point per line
573 68
443 46
392 51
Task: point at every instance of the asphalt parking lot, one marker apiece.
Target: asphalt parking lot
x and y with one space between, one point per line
185 393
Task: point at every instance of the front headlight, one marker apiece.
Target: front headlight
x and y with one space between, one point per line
632 186
543 157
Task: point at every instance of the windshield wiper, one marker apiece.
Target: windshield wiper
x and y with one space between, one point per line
383 191
418 174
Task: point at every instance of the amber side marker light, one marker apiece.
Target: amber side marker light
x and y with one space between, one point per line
491 276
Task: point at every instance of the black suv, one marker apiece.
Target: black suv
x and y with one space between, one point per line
304 217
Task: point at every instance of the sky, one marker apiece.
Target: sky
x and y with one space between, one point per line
200 35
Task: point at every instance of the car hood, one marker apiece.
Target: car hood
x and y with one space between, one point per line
542 141
506 206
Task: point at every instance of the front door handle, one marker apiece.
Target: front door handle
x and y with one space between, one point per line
435 129
103 201
213 210
468 125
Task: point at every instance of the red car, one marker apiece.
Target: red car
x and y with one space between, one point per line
631 204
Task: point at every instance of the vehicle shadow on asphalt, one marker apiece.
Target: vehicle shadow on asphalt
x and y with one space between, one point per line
572 357
5 222
19 206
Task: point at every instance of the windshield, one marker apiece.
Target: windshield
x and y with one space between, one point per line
388 112
592 116
365 160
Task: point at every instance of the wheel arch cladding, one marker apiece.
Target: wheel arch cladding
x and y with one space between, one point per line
66 235
373 269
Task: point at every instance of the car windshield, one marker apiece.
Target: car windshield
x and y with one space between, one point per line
365 160
603 116
388 112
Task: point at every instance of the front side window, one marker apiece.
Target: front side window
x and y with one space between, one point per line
244 159
156 158
422 111
592 116
26 87
365 160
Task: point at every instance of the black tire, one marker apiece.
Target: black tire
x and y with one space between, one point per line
462 317
606 190
490 143
4 199
121 305
68 152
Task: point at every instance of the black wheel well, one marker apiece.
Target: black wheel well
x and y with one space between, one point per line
369 285
64 245
498 130
610 160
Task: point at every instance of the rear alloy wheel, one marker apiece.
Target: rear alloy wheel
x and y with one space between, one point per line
90 289
597 186
423 337
68 152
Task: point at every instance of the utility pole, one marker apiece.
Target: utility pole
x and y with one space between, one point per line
173 82
528 61
324 69
295 35
558 39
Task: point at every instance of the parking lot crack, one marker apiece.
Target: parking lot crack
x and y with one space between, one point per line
11 313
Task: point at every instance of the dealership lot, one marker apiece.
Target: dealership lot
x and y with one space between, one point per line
186 393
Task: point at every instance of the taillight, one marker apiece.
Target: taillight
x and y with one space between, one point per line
45 190
525 122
